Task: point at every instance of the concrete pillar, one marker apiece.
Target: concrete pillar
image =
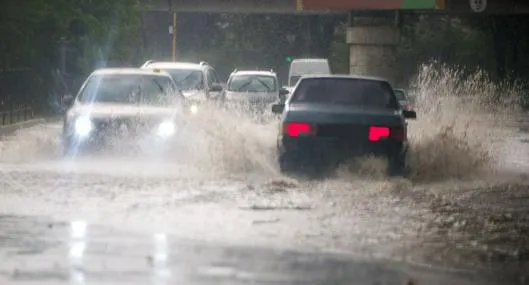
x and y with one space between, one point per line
372 45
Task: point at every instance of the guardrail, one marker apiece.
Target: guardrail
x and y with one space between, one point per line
18 114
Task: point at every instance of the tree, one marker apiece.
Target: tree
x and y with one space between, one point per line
97 32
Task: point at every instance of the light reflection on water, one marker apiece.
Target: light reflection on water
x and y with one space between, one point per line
162 273
78 243
78 231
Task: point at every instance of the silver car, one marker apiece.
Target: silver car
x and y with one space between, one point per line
253 89
198 81
123 103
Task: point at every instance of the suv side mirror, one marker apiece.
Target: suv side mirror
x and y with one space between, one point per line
409 114
216 88
278 108
67 100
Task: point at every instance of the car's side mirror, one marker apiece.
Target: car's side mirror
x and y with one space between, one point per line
409 114
278 108
216 88
67 100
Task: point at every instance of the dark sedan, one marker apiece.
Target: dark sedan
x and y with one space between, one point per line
331 118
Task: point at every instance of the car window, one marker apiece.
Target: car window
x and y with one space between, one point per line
128 89
401 96
348 91
252 83
159 90
187 79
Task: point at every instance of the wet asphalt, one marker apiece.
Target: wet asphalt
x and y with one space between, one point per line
37 248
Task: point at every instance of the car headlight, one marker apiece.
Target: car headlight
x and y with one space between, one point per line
83 126
166 129
193 109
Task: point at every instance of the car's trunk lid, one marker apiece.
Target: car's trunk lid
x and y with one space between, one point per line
342 114
342 121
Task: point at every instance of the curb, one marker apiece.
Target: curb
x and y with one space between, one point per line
9 129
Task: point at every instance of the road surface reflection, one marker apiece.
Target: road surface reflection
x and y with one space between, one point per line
78 242
98 255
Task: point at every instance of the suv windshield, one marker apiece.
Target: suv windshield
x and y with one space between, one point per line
348 91
252 83
187 79
128 89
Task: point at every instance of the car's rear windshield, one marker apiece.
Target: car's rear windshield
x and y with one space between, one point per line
128 89
400 95
252 83
348 91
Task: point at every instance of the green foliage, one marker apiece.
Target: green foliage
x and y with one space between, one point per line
93 31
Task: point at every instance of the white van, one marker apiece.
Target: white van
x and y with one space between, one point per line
307 66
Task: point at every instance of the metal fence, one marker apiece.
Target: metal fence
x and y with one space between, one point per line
18 114
17 85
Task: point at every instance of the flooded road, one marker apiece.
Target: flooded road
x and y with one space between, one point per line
462 212
41 251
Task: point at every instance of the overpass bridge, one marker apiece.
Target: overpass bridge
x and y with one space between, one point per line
373 34
340 6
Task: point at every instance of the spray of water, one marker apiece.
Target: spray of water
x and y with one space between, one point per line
35 143
230 141
463 120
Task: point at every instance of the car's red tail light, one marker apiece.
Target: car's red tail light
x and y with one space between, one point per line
377 133
297 129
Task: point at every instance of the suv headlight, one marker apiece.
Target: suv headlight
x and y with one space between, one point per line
83 126
166 129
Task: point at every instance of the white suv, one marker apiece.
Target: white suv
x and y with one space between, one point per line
197 81
254 88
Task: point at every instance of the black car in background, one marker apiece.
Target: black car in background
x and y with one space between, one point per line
331 118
